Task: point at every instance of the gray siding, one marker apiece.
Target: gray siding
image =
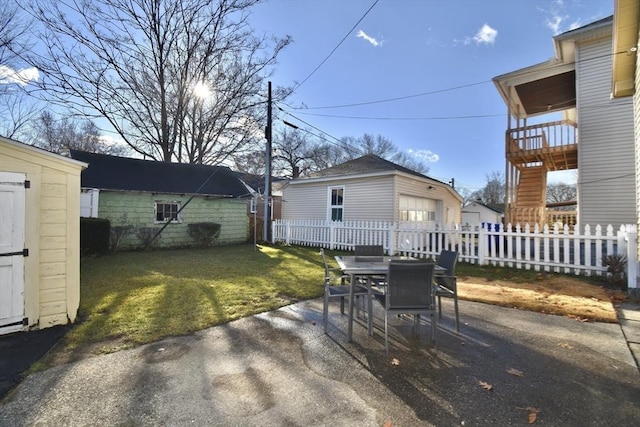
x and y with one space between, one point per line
636 120
606 183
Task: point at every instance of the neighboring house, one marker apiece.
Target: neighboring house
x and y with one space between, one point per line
39 237
255 205
476 213
371 188
625 81
146 195
562 117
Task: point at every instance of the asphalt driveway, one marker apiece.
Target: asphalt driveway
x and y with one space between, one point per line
278 368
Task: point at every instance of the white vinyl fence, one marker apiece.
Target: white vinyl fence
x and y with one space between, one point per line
558 250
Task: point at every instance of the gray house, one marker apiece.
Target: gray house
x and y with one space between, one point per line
146 195
371 188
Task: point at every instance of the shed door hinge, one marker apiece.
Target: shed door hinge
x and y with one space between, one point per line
27 184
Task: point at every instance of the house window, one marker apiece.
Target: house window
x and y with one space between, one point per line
167 211
416 209
336 203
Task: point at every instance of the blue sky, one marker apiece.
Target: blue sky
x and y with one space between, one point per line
407 48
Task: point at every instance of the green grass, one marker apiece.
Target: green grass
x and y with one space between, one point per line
140 297
133 298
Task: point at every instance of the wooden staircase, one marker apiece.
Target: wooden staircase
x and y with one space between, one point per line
529 206
532 151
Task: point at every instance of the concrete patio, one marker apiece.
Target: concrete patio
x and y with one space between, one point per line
278 368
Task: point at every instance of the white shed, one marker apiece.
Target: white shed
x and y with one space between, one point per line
39 237
475 213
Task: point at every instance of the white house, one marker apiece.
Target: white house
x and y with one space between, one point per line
562 116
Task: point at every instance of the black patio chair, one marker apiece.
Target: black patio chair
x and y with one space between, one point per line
340 291
409 291
446 285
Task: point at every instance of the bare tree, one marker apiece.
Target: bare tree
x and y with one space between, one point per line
16 109
380 146
561 192
58 135
296 154
494 190
140 63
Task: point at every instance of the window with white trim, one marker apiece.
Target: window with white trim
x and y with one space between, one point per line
417 209
336 203
167 212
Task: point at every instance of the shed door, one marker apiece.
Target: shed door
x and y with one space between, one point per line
12 223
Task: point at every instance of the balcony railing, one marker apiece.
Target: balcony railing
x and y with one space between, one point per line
545 135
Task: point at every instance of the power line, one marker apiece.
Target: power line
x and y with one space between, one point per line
404 118
335 48
400 98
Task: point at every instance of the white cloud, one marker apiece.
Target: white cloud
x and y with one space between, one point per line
426 155
557 18
24 76
367 37
486 35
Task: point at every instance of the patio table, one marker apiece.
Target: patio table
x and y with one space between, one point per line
368 266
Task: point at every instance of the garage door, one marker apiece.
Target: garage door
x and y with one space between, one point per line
12 226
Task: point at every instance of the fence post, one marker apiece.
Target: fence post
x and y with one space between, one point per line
483 245
287 234
632 258
332 235
391 239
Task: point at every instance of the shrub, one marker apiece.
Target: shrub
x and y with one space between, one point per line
118 233
616 266
146 236
204 233
94 236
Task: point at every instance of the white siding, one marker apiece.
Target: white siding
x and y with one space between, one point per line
448 211
370 198
606 152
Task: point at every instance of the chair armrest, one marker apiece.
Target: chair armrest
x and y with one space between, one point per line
446 284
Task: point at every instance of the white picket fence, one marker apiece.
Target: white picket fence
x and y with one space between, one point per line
558 250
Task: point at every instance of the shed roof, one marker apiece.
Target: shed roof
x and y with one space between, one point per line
126 174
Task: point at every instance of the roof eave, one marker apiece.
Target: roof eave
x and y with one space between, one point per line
626 14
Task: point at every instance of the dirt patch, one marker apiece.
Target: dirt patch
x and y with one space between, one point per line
552 294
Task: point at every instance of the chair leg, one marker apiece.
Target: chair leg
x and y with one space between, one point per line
440 306
455 303
341 305
386 334
325 312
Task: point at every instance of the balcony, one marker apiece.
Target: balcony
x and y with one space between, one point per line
553 145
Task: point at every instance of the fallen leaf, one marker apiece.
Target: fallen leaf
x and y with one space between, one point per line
395 362
515 372
485 385
565 345
388 424
533 413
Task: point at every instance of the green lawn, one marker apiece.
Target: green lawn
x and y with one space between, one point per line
140 297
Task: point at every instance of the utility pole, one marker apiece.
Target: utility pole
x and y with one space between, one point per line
266 231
